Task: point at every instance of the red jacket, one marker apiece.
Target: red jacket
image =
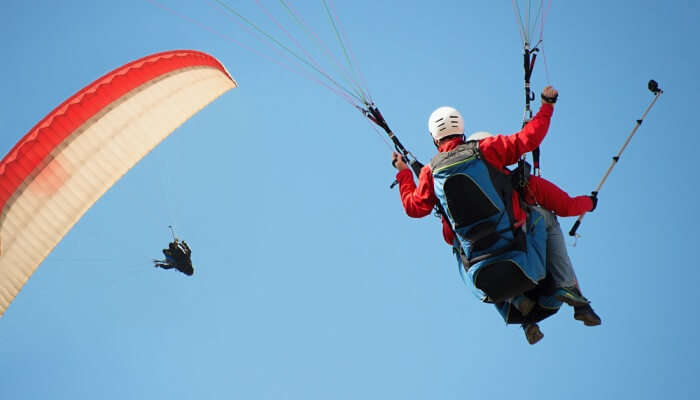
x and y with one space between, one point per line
499 151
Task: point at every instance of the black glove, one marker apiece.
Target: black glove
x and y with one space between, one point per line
594 199
395 158
550 100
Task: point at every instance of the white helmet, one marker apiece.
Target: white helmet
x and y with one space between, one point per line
479 136
445 121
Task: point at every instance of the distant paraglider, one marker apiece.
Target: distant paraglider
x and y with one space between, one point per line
178 256
64 164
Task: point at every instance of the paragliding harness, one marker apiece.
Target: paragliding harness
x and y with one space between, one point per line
478 197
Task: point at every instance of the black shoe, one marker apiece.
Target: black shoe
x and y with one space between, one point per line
533 334
586 315
571 296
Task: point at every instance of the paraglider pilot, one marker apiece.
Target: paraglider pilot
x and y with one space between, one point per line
178 255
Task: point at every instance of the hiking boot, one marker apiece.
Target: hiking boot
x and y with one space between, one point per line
571 296
586 315
524 304
532 333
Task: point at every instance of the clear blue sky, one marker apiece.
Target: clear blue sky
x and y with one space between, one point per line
310 281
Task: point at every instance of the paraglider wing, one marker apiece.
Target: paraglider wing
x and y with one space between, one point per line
78 151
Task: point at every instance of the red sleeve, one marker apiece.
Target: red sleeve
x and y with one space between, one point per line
501 150
447 233
552 198
418 201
